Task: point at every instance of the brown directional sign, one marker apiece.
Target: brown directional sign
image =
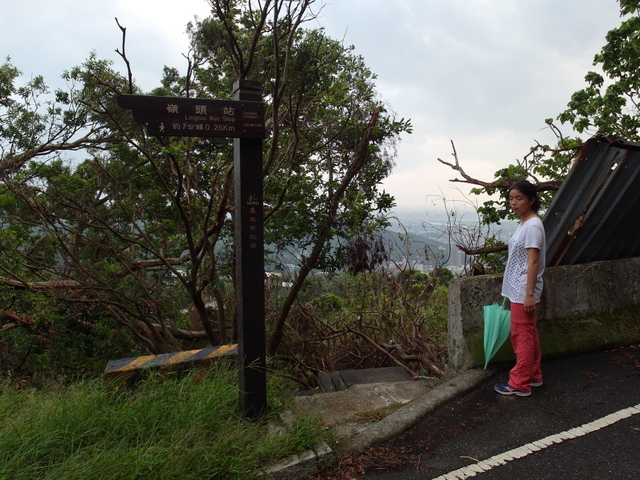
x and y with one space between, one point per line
195 117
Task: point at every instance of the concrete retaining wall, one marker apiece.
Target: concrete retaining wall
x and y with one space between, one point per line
583 308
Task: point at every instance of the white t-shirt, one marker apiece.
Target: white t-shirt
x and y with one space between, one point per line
529 234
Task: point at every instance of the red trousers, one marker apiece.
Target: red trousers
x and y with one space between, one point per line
526 346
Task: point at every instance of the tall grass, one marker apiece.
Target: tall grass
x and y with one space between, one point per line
185 428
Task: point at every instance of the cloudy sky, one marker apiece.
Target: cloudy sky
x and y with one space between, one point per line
484 74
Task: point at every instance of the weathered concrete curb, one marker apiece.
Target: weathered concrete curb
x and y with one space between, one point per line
410 414
305 465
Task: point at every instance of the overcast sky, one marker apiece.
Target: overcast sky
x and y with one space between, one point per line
484 74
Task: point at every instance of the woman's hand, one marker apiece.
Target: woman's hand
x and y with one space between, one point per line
529 303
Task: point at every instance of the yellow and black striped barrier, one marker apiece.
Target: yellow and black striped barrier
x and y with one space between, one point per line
131 369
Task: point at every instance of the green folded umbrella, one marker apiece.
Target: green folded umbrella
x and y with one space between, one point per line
497 325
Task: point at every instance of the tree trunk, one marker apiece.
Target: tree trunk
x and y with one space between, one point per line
275 338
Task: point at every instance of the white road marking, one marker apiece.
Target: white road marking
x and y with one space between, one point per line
529 448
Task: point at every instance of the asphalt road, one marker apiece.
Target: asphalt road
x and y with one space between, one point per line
508 437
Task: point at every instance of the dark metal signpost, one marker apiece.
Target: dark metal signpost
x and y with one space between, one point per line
243 120
192 117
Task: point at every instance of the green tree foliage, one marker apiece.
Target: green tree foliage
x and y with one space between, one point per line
608 105
496 261
332 140
35 122
141 228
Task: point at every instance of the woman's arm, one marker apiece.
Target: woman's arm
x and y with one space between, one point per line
533 262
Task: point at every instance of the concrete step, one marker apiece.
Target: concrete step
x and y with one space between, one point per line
342 380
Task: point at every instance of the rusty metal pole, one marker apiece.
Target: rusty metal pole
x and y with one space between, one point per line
249 251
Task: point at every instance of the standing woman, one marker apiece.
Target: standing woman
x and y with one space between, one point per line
522 285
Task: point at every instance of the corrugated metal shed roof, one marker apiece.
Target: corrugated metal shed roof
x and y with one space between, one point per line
596 213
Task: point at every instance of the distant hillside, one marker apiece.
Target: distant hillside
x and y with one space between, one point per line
421 240
437 232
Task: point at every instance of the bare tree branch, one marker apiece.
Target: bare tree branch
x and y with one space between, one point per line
381 349
40 286
16 320
422 359
11 164
504 184
124 55
482 250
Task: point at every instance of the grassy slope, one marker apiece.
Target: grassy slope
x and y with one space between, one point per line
176 429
